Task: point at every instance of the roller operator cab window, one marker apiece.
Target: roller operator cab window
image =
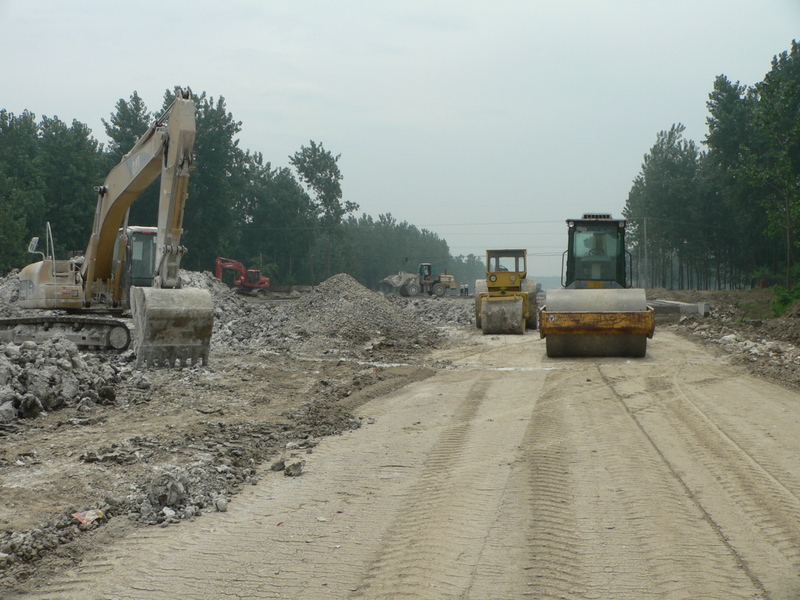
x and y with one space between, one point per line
596 249
511 262
593 242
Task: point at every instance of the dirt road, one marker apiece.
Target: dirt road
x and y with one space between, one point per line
509 475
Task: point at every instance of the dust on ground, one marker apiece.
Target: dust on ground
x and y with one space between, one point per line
91 448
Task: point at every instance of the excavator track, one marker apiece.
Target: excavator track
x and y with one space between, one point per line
86 332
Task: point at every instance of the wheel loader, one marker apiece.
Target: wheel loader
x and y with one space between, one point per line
597 313
505 302
429 279
125 267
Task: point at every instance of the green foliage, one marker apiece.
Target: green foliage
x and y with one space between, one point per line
70 165
319 171
784 299
21 186
375 249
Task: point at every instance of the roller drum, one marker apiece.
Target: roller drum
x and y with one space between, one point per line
589 345
605 300
615 314
502 316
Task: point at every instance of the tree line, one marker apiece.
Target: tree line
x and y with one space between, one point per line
724 216
291 222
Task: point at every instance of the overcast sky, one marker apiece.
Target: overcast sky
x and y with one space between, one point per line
487 123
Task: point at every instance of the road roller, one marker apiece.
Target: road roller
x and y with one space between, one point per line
505 302
597 313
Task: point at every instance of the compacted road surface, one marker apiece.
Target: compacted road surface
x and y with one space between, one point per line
507 476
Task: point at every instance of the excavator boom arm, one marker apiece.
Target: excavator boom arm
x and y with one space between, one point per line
166 150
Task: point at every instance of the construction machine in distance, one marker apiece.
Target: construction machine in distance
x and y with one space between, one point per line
245 281
597 313
127 267
429 279
505 302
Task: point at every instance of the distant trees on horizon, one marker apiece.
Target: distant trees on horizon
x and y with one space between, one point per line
291 223
724 217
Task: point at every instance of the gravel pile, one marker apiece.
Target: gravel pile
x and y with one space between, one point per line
436 311
339 316
769 349
9 295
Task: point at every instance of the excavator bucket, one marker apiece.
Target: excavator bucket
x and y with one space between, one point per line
171 326
596 322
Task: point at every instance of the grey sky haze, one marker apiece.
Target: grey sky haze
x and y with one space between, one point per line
487 123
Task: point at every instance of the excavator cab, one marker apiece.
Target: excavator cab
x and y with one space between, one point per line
140 256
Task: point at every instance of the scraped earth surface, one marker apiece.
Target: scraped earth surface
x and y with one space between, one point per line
430 461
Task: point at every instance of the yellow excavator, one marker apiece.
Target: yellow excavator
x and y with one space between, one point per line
505 302
597 313
127 267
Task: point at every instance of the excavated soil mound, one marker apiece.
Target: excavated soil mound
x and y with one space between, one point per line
340 316
437 311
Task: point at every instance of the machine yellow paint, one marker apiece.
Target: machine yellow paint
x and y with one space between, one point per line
505 302
598 313
93 284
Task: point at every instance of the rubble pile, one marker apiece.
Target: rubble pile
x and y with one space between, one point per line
436 311
9 295
37 378
223 460
222 295
341 308
339 315
786 327
769 348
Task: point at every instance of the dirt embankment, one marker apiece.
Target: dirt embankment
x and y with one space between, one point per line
740 324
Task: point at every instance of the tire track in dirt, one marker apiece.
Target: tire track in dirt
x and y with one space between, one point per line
748 496
450 538
413 501
609 518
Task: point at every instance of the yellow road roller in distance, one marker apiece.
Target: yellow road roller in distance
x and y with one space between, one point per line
505 302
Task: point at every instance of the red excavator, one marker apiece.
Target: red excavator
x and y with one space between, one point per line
245 281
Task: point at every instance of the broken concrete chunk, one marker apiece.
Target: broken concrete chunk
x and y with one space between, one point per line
295 469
